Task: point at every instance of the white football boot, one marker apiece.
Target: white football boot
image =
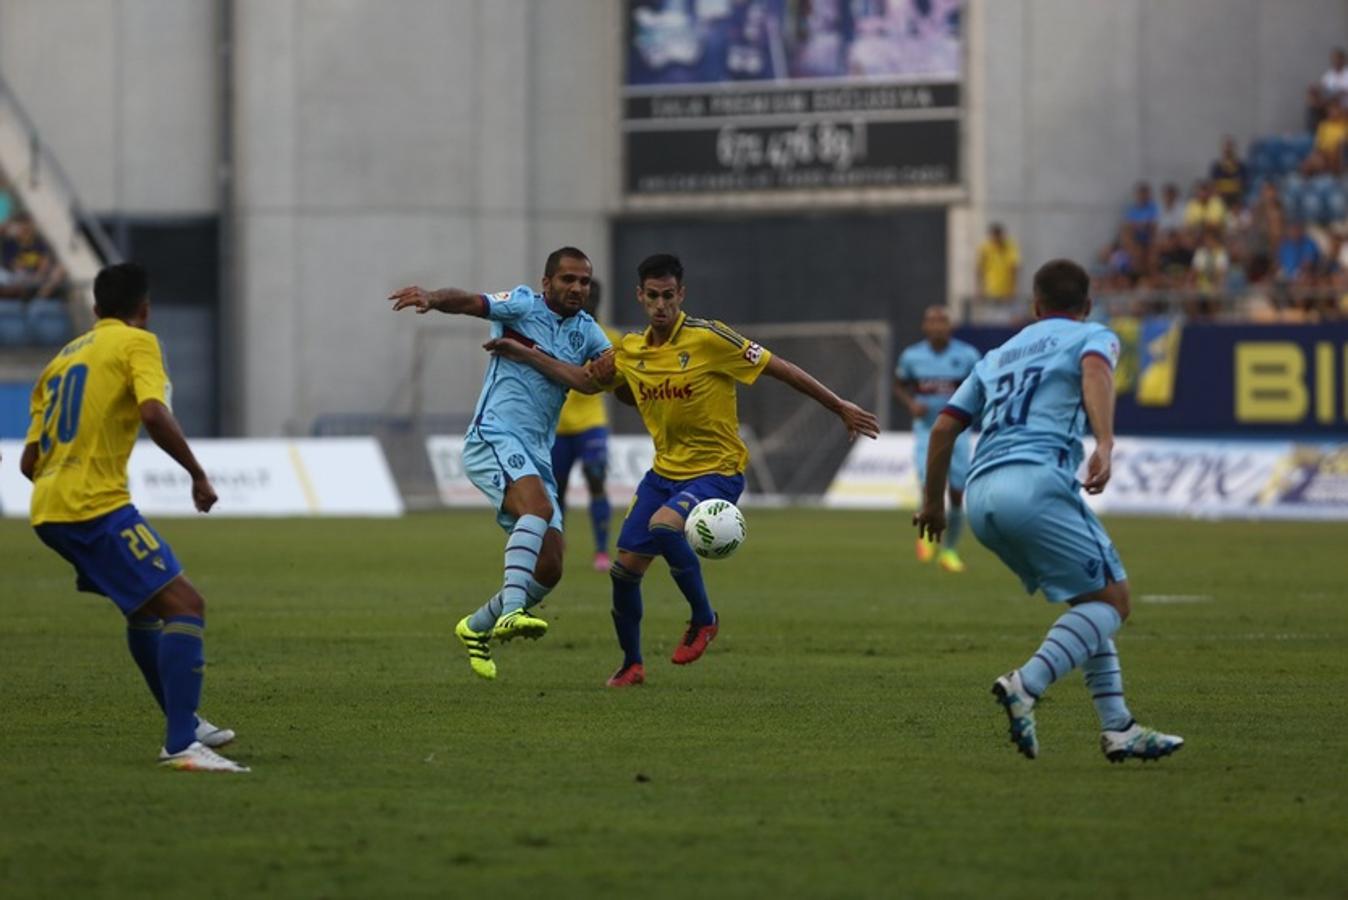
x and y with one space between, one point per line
199 758
1138 742
1019 705
212 736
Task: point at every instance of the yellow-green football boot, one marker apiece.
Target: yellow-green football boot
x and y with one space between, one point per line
519 623
478 646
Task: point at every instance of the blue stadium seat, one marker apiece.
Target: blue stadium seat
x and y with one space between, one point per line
48 322
1263 157
1335 200
13 330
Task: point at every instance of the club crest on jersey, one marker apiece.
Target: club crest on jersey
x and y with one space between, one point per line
753 352
501 295
515 460
641 365
683 359
576 339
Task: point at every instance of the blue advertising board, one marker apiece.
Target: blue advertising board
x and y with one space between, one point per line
1198 379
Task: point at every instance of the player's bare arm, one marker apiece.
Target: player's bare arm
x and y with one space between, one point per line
930 519
577 378
916 408
1097 395
445 300
162 427
858 421
28 461
623 394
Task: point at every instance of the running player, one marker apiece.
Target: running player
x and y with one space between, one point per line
927 374
582 434
681 374
508 451
87 407
1035 396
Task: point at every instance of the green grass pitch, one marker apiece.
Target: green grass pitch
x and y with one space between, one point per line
838 740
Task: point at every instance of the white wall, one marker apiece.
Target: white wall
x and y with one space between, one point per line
1077 100
441 142
125 92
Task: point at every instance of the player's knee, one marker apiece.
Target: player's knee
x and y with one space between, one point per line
1121 599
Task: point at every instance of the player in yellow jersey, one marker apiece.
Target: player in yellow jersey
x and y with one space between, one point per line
582 434
681 373
87 407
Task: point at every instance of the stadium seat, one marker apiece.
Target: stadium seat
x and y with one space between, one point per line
13 330
48 322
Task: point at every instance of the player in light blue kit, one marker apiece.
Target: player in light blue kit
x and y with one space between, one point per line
925 378
508 451
1035 397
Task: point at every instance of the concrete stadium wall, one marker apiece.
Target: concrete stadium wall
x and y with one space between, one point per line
125 92
1074 101
439 142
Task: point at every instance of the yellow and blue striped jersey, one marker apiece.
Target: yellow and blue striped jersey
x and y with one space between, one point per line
581 412
685 391
85 417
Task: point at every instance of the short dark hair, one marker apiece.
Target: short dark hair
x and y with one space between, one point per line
1061 285
120 289
661 265
555 259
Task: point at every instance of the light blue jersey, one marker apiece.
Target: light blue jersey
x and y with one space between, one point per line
933 377
1026 394
517 399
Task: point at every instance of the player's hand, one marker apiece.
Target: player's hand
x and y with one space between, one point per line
603 369
917 409
1098 470
507 348
858 421
930 521
203 495
422 301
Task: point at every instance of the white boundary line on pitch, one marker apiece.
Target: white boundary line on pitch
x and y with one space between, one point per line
1175 598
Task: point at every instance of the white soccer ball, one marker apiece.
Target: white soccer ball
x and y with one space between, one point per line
715 528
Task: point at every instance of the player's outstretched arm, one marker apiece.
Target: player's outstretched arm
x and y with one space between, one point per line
164 430
857 420
445 300
930 519
1097 395
578 378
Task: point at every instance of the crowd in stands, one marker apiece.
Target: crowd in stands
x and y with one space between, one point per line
33 284
1263 236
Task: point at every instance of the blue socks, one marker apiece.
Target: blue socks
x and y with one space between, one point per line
687 571
627 612
1104 680
600 515
521 555
182 666
142 639
954 527
1079 634
487 614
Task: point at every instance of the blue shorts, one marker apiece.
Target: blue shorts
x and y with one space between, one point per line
590 447
492 461
117 555
1033 517
656 491
959 460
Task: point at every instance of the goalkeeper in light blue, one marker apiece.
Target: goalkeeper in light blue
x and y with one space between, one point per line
507 453
925 378
1035 397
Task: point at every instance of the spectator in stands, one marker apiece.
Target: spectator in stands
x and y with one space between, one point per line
1298 255
998 266
1170 214
1207 272
1332 86
1229 175
1174 257
29 261
1205 209
1142 215
7 202
1331 136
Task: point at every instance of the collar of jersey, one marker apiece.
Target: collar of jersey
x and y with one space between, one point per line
109 321
673 335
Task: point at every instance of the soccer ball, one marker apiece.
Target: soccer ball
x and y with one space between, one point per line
715 529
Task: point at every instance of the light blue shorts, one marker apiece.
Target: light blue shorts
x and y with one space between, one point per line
959 460
1033 517
492 461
